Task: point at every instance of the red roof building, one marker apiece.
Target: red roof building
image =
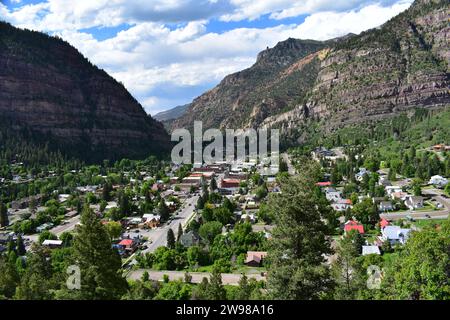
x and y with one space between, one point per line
230 183
323 184
126 243
383 223
353 225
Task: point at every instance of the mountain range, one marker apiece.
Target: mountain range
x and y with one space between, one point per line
402 65
52 94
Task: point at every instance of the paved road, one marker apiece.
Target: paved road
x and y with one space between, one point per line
197 277
159 236
421 215
69 226
291 168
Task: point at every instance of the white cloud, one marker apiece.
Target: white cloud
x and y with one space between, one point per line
166 66
280 9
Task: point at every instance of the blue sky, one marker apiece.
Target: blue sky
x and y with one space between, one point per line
167 52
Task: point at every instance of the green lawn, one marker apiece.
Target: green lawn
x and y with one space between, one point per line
429 222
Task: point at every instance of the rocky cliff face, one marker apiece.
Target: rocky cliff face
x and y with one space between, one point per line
280 78
49 89
402 65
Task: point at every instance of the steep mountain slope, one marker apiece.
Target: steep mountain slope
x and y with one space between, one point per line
48 89
272 84
402 65
171 114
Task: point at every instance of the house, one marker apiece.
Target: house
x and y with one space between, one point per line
248 218
385 206
4 238
323 184
353 225
366 250
342 205
190 239
392 189
151 221
251 205
44 227
383 223
128 245
63 198
53 244
230 184
399 196
322 152
255 258
384 182
395 234
360 175
413 202
438 181
332 195
441 148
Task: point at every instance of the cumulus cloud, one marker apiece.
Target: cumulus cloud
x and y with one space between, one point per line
166 54
280 9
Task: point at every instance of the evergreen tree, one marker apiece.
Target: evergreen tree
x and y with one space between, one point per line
9 278
36 283
216 290
347 270
20 246
163 210
4 221
180 232
99 263
213 184
296 262
245 290
170 239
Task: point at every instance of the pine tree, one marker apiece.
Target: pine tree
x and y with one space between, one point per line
4 221
180 232
20 246
245 290
99 263
296 262
170 239
213 184
215 290
163 210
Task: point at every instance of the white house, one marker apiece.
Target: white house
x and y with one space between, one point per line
438 181
385 206
333 195
370 250
341 205
395 234
414 203
392 189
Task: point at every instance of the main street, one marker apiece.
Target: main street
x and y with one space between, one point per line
158 236
197 277
422 215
